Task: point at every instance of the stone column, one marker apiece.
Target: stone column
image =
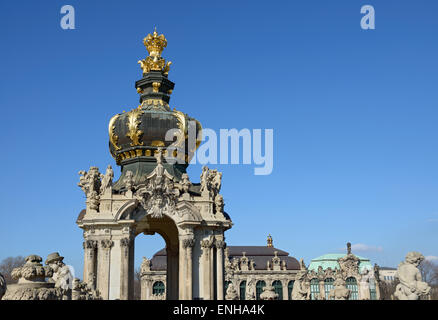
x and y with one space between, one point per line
205 245
90 248
321 289
285 293
125 245
212 274
220 245
182 270
104 267
188 248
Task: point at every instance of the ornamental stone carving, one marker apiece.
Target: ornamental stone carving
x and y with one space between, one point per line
188 243
31 282
185 183
82 291
411 286
220 244
211 181
145 265
268 293
3 286
350 263
106 244
339 292
159 195
301 288
90 184
125 242
90 244
250 289
364 284
231 293
128 181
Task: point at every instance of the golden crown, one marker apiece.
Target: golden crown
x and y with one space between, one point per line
155 43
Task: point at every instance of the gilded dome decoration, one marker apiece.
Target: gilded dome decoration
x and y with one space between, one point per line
135 136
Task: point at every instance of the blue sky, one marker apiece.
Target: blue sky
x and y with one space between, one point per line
354 115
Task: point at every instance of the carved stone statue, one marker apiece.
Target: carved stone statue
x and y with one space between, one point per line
301 289
250 294
204 179
231 293
62 276
268 293
90 184
107 180
411 286
145 265
219 204
2 286
364 287
339 292
185 183
129 180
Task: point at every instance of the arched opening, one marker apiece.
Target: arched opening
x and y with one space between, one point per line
314 289
147 247
259 288
328 285
242 290
165 227
278 288
351 284
290 287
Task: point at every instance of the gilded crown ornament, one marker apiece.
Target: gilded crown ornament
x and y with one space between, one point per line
155 44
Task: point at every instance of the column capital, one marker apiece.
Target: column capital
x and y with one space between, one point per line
220 244
125 242
106 244
188 243
89 244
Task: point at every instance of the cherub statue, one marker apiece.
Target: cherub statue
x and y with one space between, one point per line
411 286
231 293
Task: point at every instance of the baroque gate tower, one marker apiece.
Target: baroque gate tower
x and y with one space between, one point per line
154 195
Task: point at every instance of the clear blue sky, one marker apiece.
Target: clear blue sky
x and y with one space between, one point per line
354 115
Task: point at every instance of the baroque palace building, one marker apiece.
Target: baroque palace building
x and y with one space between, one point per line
154 194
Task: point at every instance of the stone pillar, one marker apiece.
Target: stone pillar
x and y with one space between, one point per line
188 276
90 263
220 245
125 245
285 293
321 289
104 267
182 270
205 245
212 274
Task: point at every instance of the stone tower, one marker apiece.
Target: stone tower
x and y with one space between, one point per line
154 195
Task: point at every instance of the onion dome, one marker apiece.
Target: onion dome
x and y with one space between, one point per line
135 136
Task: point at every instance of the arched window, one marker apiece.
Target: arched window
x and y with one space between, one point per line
259 288
158 287
314 289
278 288
290 287
351 284
328 285
242 290
373 294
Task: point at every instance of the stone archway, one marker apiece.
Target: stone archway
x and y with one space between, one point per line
191 222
